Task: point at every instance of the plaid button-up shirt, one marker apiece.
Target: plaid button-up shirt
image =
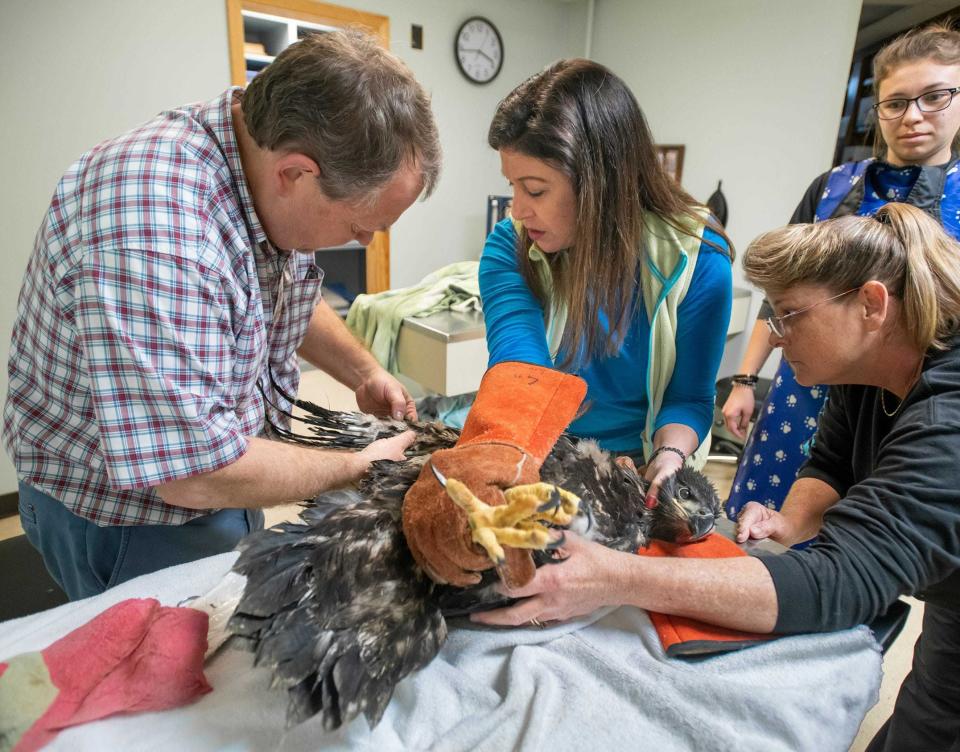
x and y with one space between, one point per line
146 319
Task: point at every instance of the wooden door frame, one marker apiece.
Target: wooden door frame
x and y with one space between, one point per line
378 251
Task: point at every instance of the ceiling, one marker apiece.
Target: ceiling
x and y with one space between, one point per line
880 19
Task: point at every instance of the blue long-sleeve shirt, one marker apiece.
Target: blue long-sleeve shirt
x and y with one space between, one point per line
616 385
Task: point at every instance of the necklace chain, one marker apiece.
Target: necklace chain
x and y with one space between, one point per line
883 401
883 404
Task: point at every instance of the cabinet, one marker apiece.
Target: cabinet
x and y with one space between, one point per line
265 36
260 29
344 274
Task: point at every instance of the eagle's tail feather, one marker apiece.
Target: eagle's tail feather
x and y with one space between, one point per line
338 610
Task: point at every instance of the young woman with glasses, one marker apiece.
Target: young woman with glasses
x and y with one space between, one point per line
916 79
880 323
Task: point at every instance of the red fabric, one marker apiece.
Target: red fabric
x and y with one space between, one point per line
684 636
135 656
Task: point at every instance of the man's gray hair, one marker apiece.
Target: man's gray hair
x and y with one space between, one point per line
352 107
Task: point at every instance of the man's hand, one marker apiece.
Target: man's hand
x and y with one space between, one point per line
388 449
757 522
381 394
585 581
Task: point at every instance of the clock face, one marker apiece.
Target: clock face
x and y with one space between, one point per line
479 50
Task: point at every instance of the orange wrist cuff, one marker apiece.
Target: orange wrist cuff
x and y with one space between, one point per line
682 636
523 405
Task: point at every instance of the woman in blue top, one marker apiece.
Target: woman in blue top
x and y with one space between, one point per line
601 243
608 290
916 78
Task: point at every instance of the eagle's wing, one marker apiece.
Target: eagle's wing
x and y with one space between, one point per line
354 430
337 608
341 612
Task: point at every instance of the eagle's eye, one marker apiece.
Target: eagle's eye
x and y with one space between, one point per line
683 492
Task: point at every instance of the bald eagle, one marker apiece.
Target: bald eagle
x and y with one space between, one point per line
338 609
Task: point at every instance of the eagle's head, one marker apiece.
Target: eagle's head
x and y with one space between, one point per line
687 508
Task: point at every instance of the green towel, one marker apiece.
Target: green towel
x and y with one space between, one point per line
376 318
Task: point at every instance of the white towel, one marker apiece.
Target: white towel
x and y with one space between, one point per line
601 683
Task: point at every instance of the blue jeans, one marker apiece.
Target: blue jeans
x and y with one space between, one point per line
86 559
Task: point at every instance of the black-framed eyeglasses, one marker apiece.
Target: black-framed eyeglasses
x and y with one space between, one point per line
930 101
776 323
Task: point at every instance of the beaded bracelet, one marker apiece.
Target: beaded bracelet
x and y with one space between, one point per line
660 450
745 379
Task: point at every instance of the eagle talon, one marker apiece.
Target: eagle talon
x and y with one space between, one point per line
553 503
557 543
590 518
441 478
518 522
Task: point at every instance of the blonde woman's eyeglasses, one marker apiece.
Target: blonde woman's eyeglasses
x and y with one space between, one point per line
777 324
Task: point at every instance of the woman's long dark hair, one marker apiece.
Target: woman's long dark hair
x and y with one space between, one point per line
581 118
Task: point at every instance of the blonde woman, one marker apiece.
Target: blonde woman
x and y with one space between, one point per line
916 79
870 306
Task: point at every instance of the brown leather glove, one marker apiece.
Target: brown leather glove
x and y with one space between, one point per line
518 415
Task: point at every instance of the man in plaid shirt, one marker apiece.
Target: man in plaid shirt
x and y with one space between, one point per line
172 273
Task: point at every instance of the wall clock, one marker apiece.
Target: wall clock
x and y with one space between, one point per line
478 49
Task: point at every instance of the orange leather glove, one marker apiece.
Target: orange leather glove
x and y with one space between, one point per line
518 415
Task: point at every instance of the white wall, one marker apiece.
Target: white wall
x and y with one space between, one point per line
752 88
75 73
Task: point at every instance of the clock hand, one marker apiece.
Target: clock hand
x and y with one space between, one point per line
481 52
477 51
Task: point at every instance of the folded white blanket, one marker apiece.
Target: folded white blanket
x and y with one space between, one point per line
602 683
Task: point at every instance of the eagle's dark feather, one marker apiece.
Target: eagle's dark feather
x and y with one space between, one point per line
338 608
